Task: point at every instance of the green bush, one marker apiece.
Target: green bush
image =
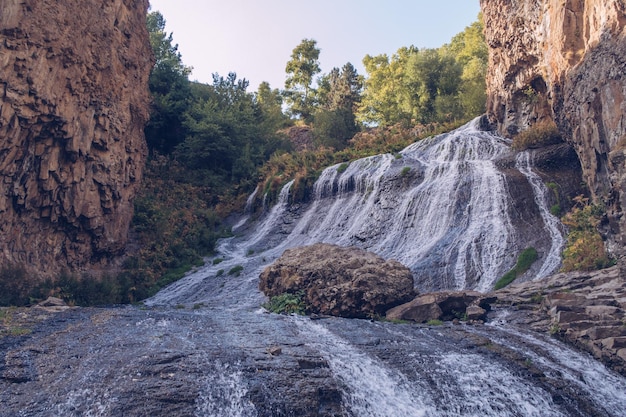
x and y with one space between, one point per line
16 286
524 262
235 270
287 303
584 250
342 168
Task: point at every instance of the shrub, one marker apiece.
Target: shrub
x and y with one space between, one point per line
543 133
584 250
235 270
15 286
524 262
405 171
342 168
287 303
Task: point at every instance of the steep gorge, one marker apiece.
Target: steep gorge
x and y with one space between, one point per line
565 60
73 104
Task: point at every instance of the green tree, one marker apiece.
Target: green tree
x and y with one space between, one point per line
270 103
301 70
169 86
432 79
385 89
339 94
471 52
230 132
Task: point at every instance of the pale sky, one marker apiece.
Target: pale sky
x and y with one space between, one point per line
254 38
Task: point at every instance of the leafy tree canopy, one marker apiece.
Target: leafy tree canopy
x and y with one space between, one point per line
301 69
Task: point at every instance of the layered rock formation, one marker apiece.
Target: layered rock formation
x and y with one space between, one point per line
340 281
565 60
586 309
73 103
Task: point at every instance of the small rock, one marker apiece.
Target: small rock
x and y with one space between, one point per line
475 312
52 302
604 332
275 350
614 342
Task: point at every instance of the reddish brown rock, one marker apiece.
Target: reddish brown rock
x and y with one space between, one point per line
73 103
565 61
339 281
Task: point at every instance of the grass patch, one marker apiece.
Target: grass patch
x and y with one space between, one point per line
235 270
342 168
405 171
218 261
287 303
219 273
541 134
434 322
524 262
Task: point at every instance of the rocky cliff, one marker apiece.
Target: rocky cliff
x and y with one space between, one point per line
565 60
73 103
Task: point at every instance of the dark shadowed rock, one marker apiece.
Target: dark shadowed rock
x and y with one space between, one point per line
340 281
446 305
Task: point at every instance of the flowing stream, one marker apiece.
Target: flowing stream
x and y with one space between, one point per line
204 347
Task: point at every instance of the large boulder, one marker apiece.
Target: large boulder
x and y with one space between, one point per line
340 281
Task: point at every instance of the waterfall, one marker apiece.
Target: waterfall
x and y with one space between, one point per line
554 227
440 206
203 346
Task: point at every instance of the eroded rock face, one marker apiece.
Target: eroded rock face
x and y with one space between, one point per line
73 103
565 61
340 281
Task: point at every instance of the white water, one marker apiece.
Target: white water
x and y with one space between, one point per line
372 389
225 395
441 207
552 261
604 387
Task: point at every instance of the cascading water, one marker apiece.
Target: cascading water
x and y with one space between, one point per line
552 224
441 207
201 346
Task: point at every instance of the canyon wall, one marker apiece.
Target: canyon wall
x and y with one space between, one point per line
565 60
73 103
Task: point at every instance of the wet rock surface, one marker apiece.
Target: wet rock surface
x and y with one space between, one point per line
585 309
339 281
208 362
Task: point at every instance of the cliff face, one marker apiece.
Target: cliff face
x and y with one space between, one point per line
565 60
73 103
